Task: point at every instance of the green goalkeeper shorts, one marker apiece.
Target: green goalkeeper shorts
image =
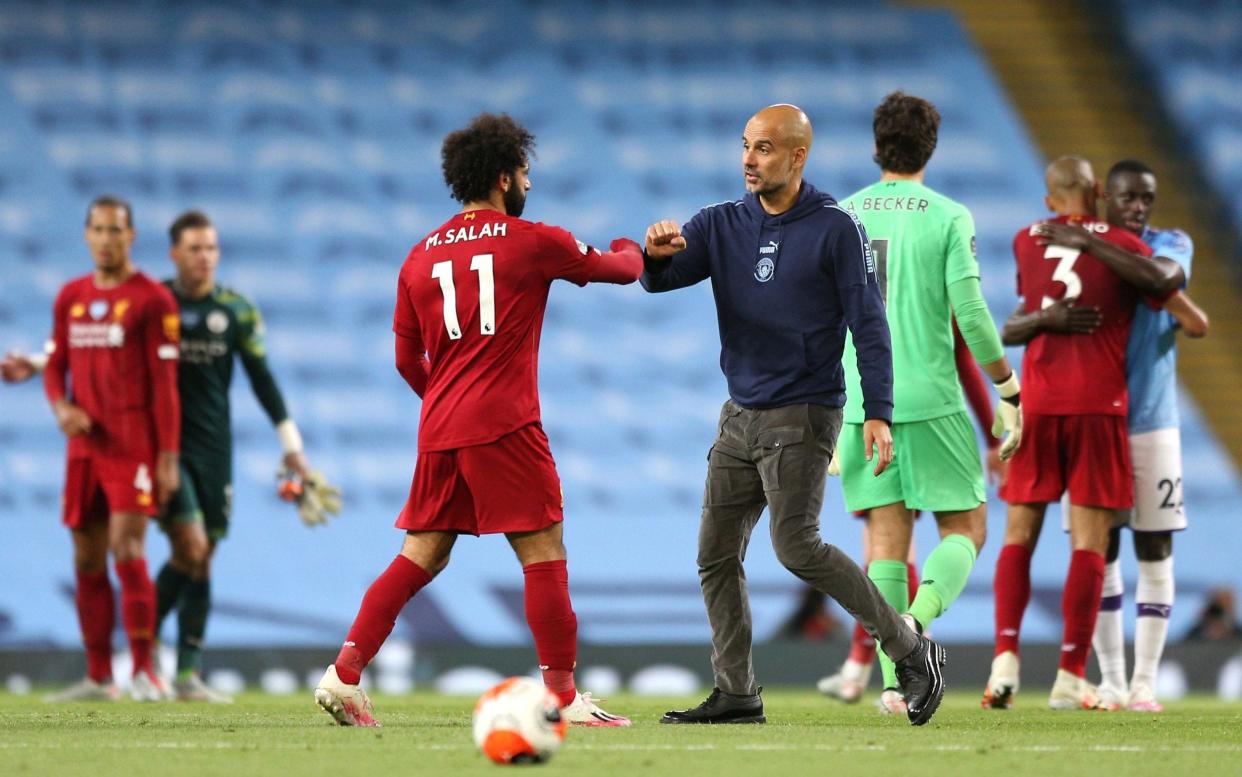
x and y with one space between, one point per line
936 467
205 496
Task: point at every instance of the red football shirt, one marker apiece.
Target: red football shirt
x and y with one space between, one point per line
118 347
1076 374
472 294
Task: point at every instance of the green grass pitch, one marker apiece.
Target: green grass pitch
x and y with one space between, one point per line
429 734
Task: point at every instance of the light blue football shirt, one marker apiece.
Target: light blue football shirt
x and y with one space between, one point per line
1151 354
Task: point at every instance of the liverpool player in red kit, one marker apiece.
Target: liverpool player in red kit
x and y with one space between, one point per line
111 377
470 304
1074 394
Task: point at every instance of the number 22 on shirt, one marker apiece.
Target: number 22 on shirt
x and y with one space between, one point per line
481 264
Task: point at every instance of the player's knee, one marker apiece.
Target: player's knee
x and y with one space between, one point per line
978 535
1153 546
799 554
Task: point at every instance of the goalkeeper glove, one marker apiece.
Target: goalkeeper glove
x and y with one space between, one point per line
834 464
1008 419
315 496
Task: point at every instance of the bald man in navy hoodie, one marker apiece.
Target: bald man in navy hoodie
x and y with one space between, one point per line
790 270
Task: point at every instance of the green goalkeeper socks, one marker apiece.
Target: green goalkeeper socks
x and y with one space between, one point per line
944 577
890 577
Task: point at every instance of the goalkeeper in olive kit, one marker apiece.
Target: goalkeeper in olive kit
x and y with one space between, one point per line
217 325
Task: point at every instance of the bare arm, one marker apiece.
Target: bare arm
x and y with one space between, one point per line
1156 276
1061 316
1190 317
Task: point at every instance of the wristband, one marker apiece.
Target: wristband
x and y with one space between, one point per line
1008 388
290 437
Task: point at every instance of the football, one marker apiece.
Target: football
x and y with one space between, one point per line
518 721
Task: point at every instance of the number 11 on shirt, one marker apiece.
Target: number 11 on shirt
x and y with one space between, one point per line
482 264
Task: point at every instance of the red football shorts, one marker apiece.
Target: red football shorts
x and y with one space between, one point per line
1087 454
509 485
98 486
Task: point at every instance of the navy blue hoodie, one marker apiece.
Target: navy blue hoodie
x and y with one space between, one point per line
786 287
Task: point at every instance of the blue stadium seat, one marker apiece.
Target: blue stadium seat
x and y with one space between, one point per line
310 133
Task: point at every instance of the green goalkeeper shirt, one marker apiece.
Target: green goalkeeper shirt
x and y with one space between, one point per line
214 329
924 249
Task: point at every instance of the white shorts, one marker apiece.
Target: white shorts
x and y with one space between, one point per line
1157 460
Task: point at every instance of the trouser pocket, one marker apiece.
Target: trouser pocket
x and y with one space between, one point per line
772 446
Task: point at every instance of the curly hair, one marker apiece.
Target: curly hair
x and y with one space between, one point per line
473 157
905 133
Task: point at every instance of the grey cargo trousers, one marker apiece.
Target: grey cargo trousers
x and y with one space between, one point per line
776 458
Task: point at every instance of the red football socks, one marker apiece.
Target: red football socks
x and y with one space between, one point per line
1011 589
912 580
138 610
862 645
96 616
1080 604
378 614
554 626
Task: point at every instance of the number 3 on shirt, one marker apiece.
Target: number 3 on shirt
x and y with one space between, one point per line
1064 273
482 264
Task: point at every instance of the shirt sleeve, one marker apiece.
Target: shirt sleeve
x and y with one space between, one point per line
404 318
1177 246
562 256
54 374
252 348
163 347
863 309
411 354
975 320
686 267
961 260
973 386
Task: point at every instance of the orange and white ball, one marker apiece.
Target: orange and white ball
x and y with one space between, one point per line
518 721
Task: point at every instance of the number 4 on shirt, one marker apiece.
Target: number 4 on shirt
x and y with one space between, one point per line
482 264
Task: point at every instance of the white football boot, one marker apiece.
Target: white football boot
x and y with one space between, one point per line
147 686
86 689
347 704
1002 682
583 711
891 702
192 688
848 684
1071 692
1112 698
1143 699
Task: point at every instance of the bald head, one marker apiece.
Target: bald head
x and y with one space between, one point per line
1069 175
1072 188
775 145
786 124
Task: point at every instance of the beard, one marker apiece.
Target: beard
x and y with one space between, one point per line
515 201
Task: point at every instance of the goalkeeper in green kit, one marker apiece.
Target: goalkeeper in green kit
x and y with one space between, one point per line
217 325
923 245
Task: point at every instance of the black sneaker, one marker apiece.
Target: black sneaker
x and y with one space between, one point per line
721 707
922 681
